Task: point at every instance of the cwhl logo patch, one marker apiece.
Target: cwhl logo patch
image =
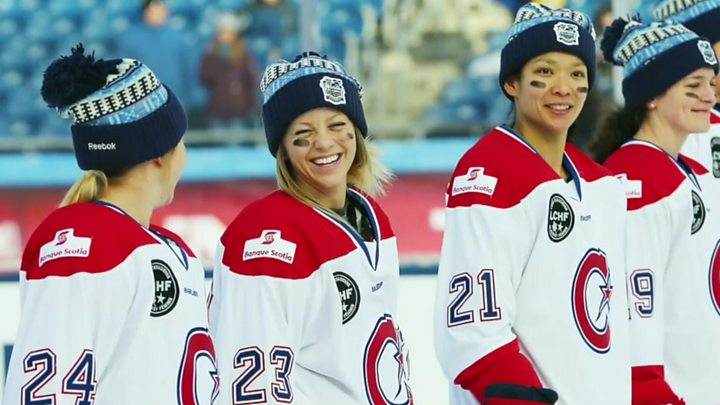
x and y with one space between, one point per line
707 52
333 90
270 245
567 33
167 290
349 295
698 212
715 153
65 244
475 181
633 188
560 218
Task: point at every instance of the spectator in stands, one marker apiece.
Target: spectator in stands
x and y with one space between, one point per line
161 48
600 102
273 20
230 74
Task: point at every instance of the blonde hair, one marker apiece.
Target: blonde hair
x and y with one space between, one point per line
88 188
366 173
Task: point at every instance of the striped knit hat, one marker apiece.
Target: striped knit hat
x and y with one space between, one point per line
700 16
121 113
654 56
538 29
310 81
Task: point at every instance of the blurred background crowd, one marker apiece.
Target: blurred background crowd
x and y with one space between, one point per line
428 67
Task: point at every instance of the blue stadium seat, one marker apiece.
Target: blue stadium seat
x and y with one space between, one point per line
9 27
453 114
53 125
470 89
342 18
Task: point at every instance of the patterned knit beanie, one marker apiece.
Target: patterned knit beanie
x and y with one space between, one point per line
700 16
310 81
538 29
121 114
654 56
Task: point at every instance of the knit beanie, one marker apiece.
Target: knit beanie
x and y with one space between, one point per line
121 114
654 56
310 81
700 16
539 29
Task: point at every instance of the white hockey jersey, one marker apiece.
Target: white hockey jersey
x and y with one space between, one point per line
674 272
533 262
112 313
705 148
302 309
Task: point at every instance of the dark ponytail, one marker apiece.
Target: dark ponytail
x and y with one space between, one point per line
619 126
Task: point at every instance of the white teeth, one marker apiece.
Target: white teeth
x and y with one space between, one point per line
559 107
326 160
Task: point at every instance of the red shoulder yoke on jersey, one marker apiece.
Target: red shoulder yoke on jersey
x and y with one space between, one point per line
658 174
501 169
82 238
280 237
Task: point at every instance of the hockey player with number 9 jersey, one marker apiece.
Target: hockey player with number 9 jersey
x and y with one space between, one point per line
673 229
113 309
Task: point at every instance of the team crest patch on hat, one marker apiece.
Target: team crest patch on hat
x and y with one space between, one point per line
270 245
567 33
707 52
333 90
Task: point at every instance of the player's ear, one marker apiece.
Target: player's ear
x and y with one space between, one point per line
511 86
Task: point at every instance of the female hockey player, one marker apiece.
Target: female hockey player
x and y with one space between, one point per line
113 308
673 230
306 280
531 305
701 17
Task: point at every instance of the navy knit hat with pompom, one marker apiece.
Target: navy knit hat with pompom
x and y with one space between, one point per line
310 81
539 29
121 113
654 56
699 16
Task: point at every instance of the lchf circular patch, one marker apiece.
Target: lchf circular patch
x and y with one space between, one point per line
560 218
349 295
698 212
166 289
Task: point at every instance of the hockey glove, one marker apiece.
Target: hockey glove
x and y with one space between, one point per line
511 394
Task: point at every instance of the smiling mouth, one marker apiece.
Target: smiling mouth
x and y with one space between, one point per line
559 107
325 161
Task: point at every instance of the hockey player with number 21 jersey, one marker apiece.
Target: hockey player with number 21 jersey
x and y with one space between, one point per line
306 279
531 305
113 309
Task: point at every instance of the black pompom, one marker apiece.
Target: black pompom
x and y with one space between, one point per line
72 78
612 36
308 54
